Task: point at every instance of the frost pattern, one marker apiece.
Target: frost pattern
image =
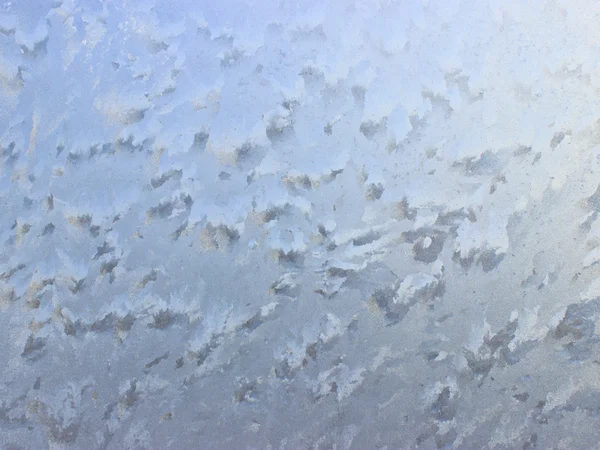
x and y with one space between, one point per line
348 224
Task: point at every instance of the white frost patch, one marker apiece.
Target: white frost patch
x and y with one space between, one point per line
122 107
331 327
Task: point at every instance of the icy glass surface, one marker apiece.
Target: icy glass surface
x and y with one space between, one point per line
277 224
